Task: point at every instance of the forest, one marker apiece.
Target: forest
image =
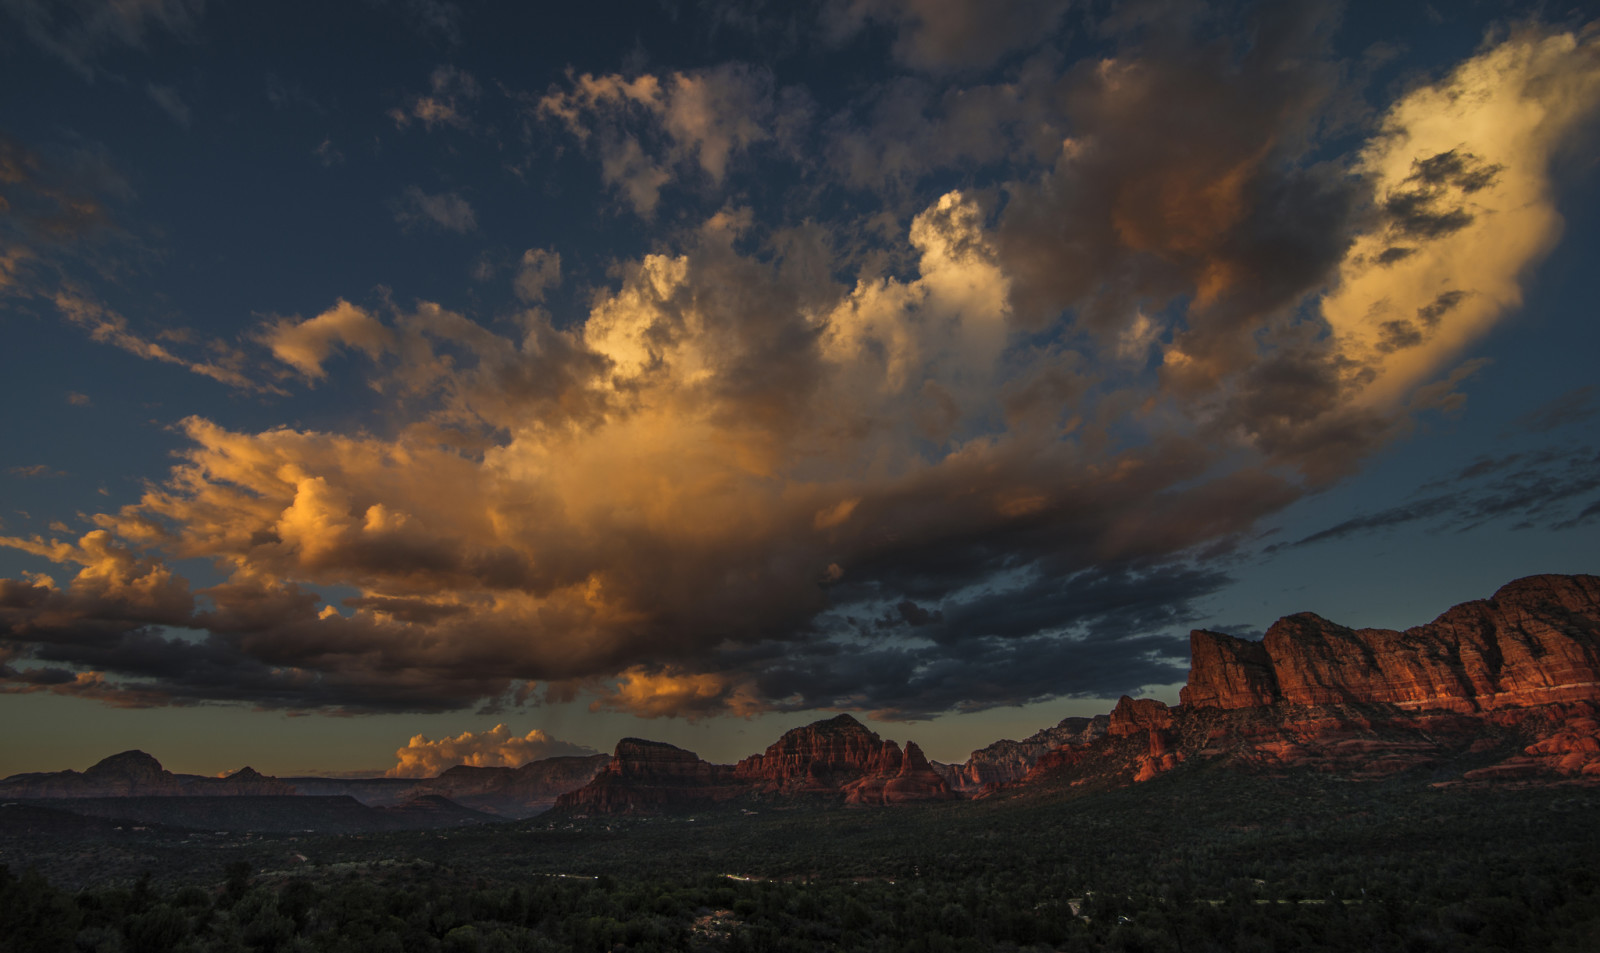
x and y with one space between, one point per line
1201 860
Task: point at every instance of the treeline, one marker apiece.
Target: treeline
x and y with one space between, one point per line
427 908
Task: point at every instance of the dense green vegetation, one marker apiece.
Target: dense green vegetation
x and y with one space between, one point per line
1208 860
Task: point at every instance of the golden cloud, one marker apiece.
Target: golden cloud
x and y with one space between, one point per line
499 747
1462 169
741 480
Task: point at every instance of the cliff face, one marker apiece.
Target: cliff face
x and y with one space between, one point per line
820 758
913 779
1535 642
1006 760
838 758
648 776
1514 677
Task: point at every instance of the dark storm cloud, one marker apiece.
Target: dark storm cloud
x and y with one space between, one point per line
939 35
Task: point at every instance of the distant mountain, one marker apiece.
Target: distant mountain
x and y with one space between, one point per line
837 759
513 792
136 774
460 795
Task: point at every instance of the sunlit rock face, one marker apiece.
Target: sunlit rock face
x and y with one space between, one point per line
1513 680
820 758
1533 643
1225 672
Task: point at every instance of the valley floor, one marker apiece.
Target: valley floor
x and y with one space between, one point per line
1204 859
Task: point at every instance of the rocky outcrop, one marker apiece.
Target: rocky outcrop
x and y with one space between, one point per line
1135 715
820 758
837 759
1515 677
1535 642
1226 672
513 792
913 779
1006 760
645 777
131 773
245 782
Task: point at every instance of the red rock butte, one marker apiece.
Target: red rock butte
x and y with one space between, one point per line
1532 643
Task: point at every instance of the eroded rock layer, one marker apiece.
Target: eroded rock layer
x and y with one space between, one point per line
1535 642
1512 681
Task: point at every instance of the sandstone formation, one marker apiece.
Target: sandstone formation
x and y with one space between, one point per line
820 758
836 759
1006 760
1513 679
1535 642
1500 689
513 792
912 780
645 777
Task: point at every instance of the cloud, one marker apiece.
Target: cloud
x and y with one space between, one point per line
1461 168
451 90
327 153
305 345
537 272
79 400
80 30
36 470
988 453
447 210
58 221
226 364
54 206
949 34
170 102
650 130
496 748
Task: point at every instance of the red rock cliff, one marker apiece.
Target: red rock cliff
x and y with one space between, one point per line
1535 642
1006 760
1516 674
913 780
820 758
648 776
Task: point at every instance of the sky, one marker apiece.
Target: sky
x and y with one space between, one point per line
400 383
